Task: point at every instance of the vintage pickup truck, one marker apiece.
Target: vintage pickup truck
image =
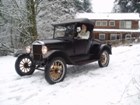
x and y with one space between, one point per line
64 48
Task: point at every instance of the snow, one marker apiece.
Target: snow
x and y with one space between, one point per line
109 16
117 30
117 84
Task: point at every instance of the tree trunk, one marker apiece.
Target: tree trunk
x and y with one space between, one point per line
31 17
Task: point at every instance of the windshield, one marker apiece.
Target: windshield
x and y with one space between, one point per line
64 31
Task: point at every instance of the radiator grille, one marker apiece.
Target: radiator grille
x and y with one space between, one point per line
37 54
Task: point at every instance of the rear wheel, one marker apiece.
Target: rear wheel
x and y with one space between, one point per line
24 65
103 59
55 70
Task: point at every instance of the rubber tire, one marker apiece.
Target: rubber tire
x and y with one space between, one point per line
17 63
99 62
47 69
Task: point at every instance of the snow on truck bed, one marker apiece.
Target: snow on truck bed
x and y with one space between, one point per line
117 84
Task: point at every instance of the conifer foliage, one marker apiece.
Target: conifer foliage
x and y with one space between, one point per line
23 21
83 5
127 6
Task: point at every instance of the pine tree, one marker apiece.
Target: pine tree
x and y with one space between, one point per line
137 6
83 5
87 6
127 6
78 5
1 16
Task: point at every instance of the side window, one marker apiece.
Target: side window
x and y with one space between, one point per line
60 31
69 31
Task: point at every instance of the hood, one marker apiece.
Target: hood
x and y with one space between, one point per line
48 41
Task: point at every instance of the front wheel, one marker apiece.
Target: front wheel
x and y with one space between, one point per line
103 59
55 70
24 65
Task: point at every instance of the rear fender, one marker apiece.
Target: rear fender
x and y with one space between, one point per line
105 47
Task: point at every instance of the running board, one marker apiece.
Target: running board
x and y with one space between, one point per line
85 62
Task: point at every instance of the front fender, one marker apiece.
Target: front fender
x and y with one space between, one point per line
23 54
19 52
57 53
49 53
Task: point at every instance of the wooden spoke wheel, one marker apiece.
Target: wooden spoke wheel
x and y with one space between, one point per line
24 65
104 59
55 70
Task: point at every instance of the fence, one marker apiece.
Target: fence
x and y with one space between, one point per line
123 41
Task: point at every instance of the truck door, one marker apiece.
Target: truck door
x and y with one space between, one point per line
81 46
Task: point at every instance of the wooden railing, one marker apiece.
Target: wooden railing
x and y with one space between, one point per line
123 41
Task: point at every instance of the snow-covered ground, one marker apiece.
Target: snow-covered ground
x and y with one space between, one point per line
117 84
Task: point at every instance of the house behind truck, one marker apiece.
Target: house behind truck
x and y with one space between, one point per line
113 27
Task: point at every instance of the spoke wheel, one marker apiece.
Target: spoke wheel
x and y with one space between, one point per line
24 65
55 71
104 59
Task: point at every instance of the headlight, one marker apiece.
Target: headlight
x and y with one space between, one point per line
28 49
44 50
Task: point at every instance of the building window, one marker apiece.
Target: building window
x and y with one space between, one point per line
125 24
128 36
98 23
102 36
113 36
122 24
119 36
112 23
101 23
128 24
104 23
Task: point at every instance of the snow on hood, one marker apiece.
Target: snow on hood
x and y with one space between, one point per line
48 41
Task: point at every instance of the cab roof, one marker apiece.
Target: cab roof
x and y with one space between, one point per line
73 21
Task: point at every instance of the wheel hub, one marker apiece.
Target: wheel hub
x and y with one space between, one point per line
104 58
26 65
56 70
